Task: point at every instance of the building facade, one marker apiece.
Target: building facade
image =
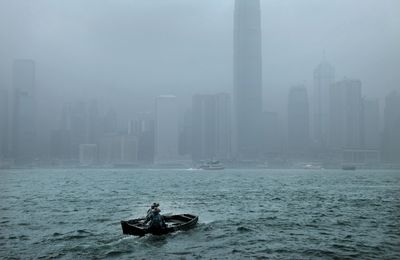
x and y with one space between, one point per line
24 116
166 134
298 122
4 110
324 77
391 133
346 115
247 79
211 127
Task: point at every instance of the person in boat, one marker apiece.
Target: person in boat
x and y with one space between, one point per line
157 221
150 210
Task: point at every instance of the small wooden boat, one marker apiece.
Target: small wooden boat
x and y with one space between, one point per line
174 223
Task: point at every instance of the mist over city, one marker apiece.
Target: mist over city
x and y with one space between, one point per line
106 64
216 129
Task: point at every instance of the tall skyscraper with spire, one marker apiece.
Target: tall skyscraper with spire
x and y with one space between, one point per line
324 77
247 78
24 124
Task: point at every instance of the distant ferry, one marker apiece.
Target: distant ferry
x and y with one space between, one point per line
212 165
348 167
312 167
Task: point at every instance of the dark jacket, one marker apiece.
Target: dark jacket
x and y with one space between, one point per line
157 221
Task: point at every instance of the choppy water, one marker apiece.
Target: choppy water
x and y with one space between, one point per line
271 214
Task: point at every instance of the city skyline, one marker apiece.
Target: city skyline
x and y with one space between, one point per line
71 108
88 134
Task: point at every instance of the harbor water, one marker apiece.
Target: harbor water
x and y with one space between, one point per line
256 214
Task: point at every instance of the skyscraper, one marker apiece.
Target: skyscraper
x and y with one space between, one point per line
3 123
166 141
391 134
247 78
346 115
223 111
324 77
24 128
371 123
298 121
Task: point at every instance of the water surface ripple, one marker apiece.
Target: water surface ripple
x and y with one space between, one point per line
262 214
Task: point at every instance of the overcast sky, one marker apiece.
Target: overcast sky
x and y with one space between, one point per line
129 51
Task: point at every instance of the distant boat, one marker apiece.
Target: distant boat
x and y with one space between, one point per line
212 165
348 167
312 167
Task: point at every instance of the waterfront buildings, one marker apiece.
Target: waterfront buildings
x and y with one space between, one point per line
346 115
211 127
298 122
272 143
166 133
391 131
324 77
371 124
24 121
4 123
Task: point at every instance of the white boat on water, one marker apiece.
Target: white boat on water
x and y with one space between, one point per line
212 165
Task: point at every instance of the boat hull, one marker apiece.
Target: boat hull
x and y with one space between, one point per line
174 223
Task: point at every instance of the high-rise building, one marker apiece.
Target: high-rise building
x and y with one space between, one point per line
298 122
78 125
185 135
88 154
247 78
3 123
391 133
346 115
129 149
24 123
324 77
143 128
203 128
223 148
371 124
166 138
211 137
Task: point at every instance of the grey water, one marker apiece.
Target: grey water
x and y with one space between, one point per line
262 214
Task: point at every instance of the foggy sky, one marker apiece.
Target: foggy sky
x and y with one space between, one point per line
128 52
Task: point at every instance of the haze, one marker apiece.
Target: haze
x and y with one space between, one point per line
126 53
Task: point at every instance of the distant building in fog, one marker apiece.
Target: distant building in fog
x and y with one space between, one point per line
24 121
298 121
211 129
166 134
391 133
77 116
223 126
371 124
346 115
143 128
3 123
88 154
247 79
324 77
272 135
185 135
129 149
